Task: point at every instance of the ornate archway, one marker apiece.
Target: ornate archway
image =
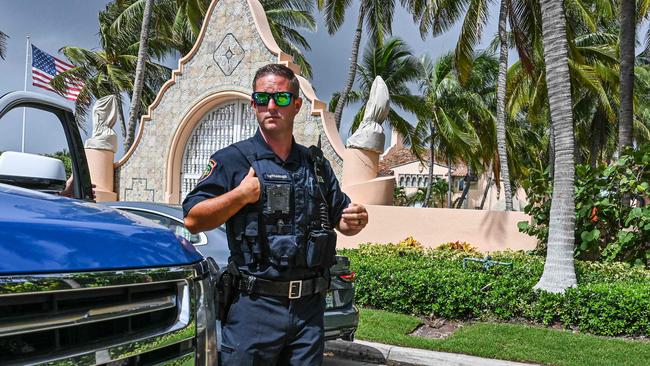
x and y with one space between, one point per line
226 123
207 77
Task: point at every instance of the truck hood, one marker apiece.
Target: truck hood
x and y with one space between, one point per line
44 233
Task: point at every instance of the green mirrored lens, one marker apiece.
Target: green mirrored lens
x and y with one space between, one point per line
261 98
282 99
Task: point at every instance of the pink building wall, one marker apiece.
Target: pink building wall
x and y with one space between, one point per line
485 230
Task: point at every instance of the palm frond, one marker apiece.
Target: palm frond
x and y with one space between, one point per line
470 35
334 13
3 45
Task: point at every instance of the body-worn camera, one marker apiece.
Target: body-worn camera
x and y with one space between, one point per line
278 199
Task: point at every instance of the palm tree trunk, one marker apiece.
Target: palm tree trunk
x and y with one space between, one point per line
487 186
136 98
120 110
627 39
559 268
448 180
551 152
3 45
468 180
338 112
501 106
431 161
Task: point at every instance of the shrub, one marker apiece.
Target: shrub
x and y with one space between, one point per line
457 245
607 227
612 299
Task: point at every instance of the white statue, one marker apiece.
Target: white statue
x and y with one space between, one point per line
104 117
370 134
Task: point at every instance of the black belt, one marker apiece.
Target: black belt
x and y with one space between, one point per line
290 289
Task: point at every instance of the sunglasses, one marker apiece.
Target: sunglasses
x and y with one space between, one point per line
282 99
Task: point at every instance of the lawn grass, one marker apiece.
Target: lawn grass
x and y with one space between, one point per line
507 342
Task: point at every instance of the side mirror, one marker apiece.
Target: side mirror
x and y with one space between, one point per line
32 171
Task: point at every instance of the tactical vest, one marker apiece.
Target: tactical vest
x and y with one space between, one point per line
289 226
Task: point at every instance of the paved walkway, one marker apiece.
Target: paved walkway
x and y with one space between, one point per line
393 355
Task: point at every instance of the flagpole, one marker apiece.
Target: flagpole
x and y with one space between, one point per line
22 148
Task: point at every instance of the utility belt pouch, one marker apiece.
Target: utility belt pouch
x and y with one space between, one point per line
283 250
321 249
227 280
251 235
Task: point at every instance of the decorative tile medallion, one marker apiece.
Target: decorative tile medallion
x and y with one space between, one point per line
139 191
228 54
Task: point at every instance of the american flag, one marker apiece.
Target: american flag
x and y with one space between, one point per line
45 67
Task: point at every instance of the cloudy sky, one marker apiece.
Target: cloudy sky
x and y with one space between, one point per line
53 24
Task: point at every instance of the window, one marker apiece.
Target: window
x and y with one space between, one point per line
39 155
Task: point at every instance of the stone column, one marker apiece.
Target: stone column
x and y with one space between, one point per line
100 163
101 147
360 180
359 166
361 157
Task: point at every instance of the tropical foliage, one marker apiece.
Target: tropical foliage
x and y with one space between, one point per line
394 61
608 227
174 27
286 19
467 106
432 196
458 122
378 18
111 69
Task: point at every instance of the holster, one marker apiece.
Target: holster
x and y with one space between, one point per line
227 280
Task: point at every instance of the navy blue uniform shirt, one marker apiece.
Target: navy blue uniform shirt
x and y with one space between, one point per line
228 167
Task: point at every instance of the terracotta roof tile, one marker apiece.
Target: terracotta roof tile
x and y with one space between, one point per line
403 155
459 171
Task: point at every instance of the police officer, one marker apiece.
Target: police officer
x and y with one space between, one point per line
280 202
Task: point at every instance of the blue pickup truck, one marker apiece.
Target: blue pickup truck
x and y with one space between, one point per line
86 284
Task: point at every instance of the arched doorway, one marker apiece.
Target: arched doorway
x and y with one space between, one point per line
228 122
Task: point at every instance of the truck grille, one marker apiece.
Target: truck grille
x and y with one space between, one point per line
39 326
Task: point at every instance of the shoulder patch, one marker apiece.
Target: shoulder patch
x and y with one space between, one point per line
208 169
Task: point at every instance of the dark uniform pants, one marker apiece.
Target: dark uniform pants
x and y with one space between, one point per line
265 330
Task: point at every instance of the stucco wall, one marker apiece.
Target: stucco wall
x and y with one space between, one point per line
486 230
209 70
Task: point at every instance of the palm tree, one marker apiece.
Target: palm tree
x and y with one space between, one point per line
111 70
395 63
559 268
501 106
143 56
285 18
378 16
627 43
438 17
3 45
177 23
443 124
594 77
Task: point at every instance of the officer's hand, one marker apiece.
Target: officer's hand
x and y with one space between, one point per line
250 187
355 217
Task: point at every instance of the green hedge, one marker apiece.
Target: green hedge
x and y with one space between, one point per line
611 299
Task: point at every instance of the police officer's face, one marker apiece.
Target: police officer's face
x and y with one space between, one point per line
273 119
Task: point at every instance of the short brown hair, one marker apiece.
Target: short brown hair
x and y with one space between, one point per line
280 70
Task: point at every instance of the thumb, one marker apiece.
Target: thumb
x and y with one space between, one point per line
251 172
